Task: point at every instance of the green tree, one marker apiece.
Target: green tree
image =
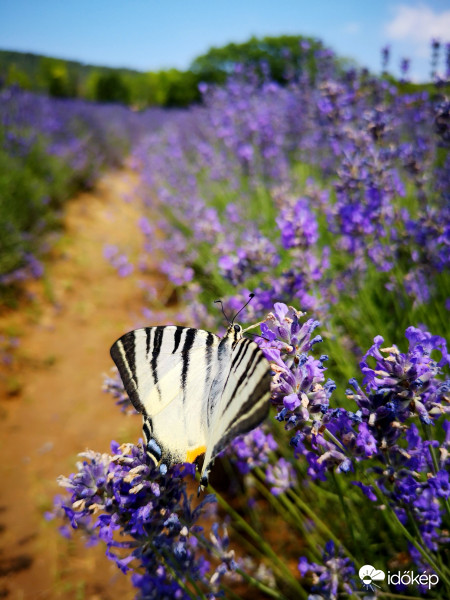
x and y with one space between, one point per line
110 87
181 88
16 76
275 52
54 77
156 88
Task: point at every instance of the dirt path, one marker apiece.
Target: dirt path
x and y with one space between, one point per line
59 409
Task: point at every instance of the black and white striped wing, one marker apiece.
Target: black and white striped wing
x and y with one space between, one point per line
167 372
244 401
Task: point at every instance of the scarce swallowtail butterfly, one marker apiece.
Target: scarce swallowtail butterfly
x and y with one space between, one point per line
196 391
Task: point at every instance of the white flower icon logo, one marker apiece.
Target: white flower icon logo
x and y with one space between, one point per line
368 575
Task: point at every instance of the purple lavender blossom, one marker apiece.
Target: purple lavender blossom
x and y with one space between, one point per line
440 484
252 450
297 226
403 384
280 476
297 388
405 64
385 55
334 576
112 384
442 121
124 493
435 50
119 261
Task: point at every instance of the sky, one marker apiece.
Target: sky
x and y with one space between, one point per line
150 35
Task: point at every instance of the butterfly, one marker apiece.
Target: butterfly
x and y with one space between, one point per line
196 391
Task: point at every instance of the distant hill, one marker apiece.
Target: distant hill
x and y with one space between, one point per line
68 79
32 64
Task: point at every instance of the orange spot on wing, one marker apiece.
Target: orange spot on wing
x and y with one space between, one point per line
192 454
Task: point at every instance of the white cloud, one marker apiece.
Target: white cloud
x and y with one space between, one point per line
419 24
352 28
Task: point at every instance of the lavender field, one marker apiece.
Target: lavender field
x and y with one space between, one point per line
328 197
51 149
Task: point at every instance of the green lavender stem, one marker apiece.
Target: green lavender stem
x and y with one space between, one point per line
266 547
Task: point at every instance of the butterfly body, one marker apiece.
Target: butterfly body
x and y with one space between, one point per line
196 391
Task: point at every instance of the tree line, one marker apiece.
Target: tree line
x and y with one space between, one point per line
275 56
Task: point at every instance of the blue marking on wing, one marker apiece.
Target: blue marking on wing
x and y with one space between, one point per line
152 445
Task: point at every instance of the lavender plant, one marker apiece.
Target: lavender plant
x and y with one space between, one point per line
319 454
331 195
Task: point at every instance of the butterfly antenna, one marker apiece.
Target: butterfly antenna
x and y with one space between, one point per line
223 312
240 310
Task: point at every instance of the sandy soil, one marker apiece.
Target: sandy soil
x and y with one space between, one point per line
52 406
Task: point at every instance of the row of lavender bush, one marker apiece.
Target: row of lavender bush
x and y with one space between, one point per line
49 149
332 196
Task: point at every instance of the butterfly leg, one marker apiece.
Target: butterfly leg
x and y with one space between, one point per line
204 479
203 485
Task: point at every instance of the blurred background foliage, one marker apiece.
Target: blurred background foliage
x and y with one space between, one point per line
168 88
